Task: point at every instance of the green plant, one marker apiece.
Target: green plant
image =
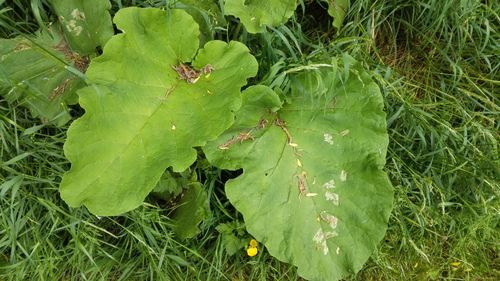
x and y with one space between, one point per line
311 169
140 121
442 157
256 15
160 111
44 71
315 151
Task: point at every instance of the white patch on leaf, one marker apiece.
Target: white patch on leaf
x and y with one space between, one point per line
332 196
320 239
78 30
78 15
73 28
330 219
329 185
70 25
343 175
328 138
344 133
338 250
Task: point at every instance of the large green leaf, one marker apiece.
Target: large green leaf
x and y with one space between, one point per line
140 116
86 23
257 14
312 189
33 71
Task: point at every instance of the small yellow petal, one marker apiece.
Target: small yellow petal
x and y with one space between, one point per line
455 264
253 243
252 251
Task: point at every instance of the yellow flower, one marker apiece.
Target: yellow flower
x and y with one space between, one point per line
253 243
252 251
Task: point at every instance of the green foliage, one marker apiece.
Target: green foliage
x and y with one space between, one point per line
171 184
312 170
434 62
86 24
193 208
208 7
43 72
288 171
337 9
141 117
233 236
34 72
206 13
257 14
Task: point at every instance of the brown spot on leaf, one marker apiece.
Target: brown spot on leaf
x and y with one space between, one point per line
280 123
80 62
243 136
207 69
262 124
190 74
301 182
22 46
59 90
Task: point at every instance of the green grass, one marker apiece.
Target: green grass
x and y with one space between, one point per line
437 65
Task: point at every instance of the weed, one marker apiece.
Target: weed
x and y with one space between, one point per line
437 67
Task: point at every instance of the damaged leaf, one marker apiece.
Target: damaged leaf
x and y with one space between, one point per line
257 14
142 115
86 23
34 72
312 169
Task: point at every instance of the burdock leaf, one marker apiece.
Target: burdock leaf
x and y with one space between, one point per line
312 189
34 72
147 108
86 23
257 14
